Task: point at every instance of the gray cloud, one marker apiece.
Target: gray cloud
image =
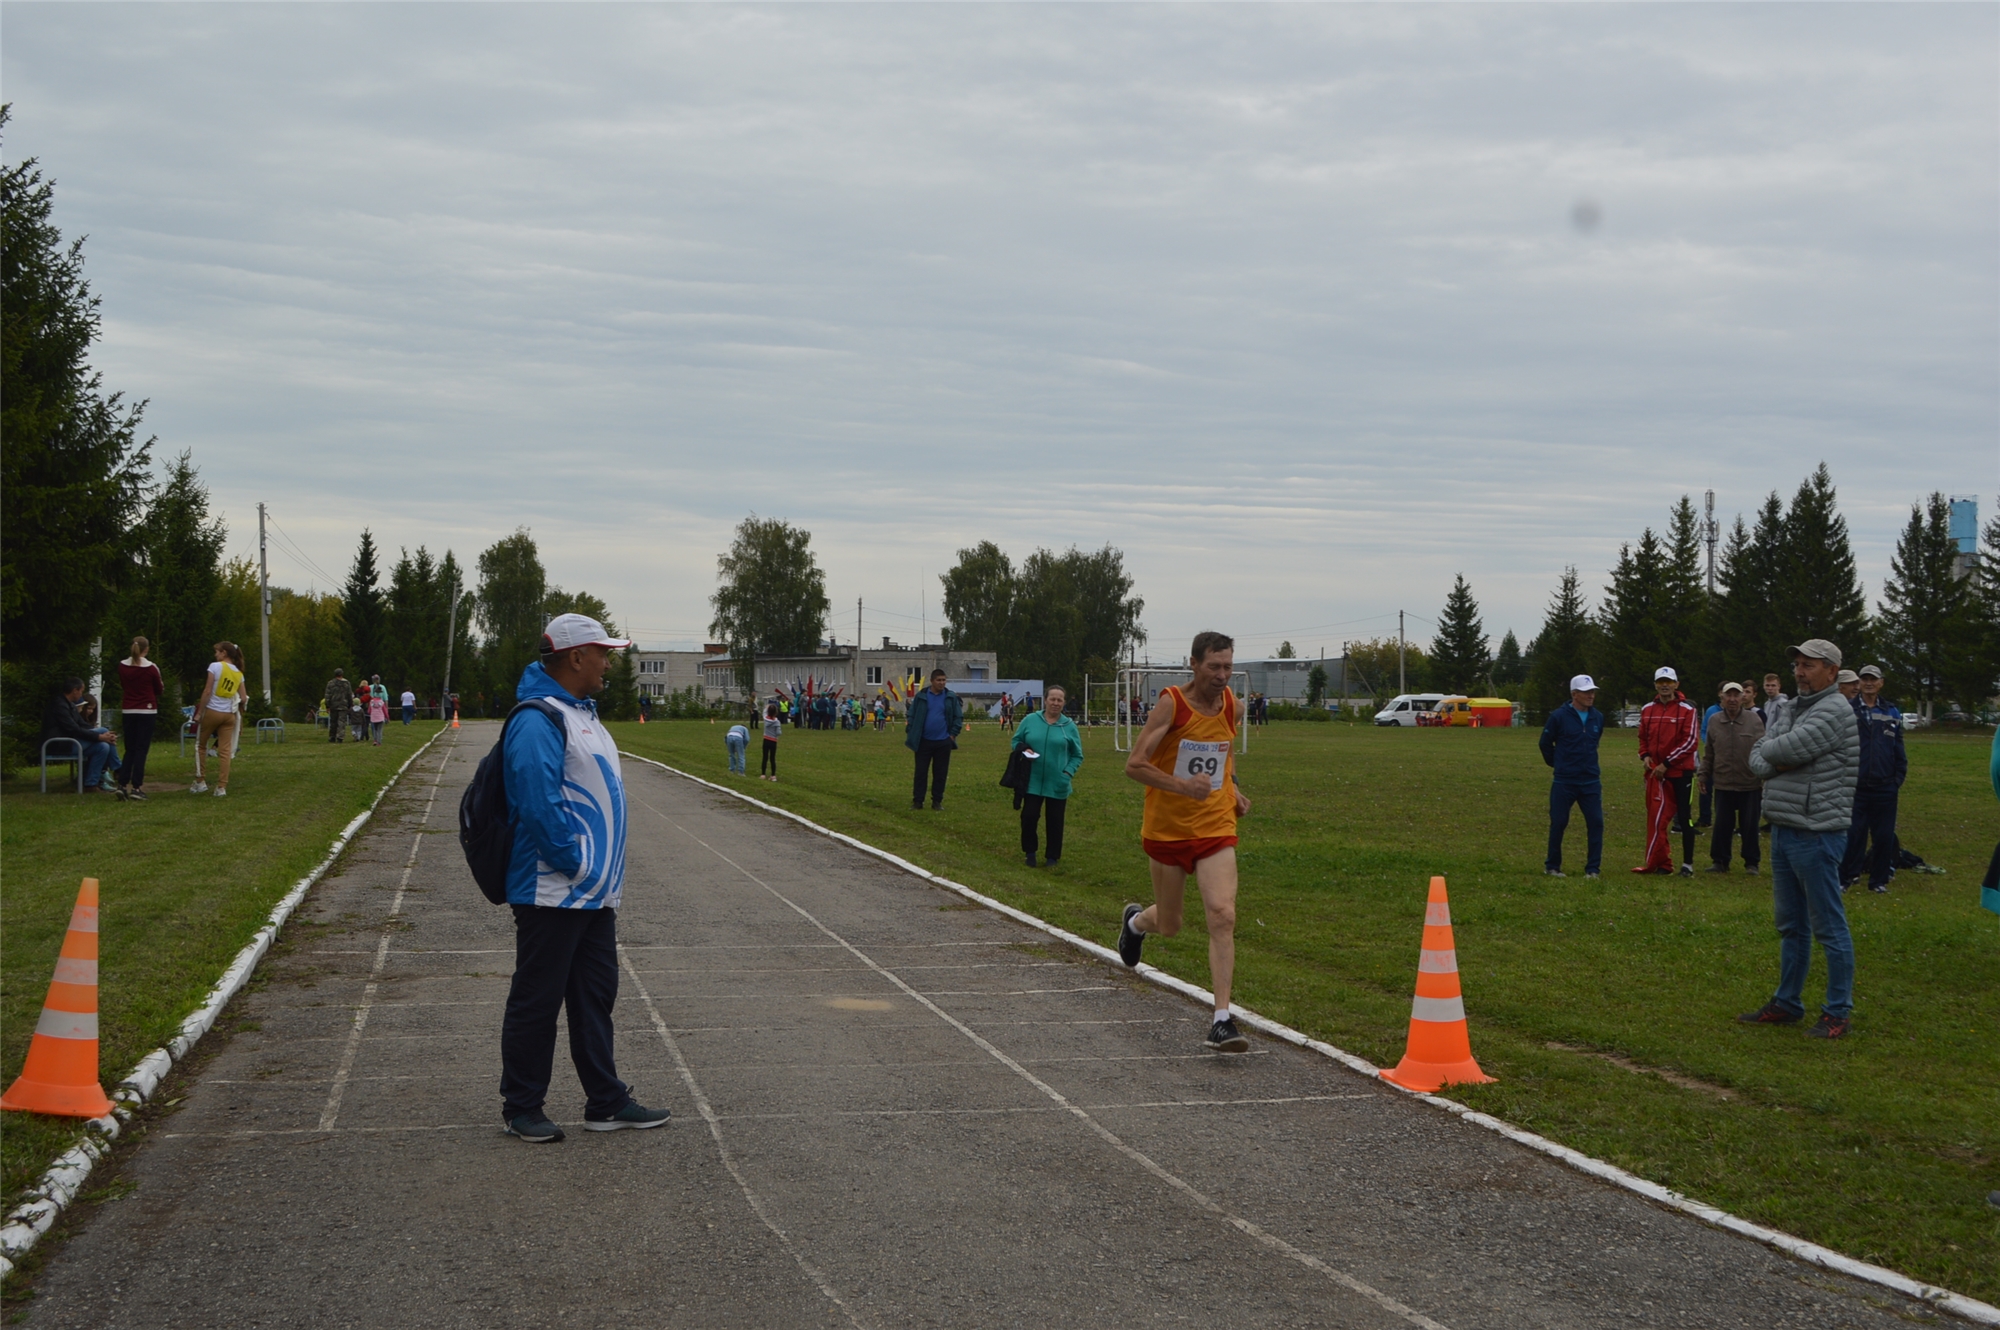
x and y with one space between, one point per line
1285 301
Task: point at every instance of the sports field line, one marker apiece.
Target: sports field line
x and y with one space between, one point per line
59 1185
1942 1299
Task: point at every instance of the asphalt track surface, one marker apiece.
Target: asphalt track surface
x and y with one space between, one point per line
891 1109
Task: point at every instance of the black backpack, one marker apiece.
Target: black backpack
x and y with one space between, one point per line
485 822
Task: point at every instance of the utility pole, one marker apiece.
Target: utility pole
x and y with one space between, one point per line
1709 531
1402 677
264 598
857 646
450 637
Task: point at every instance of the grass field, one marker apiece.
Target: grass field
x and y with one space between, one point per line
1604 1008
185 881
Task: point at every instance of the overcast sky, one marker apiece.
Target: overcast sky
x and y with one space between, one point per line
1290 303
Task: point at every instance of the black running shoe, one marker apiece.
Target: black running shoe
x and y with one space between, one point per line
1129 942
535 1129
632 1116
1828 1027
1224 1037
1771 1014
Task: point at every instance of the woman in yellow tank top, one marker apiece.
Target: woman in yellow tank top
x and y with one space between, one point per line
1186 758
216 714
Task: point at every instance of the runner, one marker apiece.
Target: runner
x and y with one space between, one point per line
1184 758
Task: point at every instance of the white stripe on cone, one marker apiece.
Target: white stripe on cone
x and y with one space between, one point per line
67 1024
73 970
1438 914
1437 962
1437 1009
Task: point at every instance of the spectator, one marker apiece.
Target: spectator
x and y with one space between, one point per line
1809 761
339 695
567 798
216 715
1701 782
409 702
1989 889
737 740
931 732
1774 702
140 684
1849 684
1668 742
1884 766
1725 768
378 716
97 745
774 730
357 713
1054 738
1569 744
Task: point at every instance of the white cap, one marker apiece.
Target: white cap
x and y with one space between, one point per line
1583 683
567 631
1665 672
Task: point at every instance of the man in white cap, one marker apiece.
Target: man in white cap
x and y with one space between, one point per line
1809 759
566 798
1669 735
1569 744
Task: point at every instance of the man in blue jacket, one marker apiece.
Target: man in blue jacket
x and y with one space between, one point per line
1884 765
566 800
936 717
1569 744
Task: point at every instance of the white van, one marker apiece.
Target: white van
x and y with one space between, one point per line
1405 709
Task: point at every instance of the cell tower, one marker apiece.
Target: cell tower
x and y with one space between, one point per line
1964 513
1710 530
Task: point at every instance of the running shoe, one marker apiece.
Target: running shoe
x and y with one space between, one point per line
1129 942
1224 1037
222 792
1716 868
1828 1027
1593 875
1771 1014
634 1115
199 787
1882 890
1554 872
1687 870
1031 860
535 1129
136 795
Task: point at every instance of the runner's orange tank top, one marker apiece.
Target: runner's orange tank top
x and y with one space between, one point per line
1191 744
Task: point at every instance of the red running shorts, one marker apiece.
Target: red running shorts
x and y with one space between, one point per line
1185 854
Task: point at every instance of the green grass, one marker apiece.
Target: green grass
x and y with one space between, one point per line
185 881
1883 1146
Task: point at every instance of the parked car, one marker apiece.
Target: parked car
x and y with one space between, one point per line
1404 708
1475 712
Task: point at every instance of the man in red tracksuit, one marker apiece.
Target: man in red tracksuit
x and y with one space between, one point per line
1669 745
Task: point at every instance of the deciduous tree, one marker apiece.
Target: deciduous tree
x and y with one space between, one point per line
772 597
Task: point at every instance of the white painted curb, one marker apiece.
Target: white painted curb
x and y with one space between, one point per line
57 1187
1942 1299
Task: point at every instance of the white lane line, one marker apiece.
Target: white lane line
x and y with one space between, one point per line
1268 1240
1014 992
708 1115
347 1054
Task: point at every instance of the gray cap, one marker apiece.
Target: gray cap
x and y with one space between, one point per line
1847 676
1819 649
1870 672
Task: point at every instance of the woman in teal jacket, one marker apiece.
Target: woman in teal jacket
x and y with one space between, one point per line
1054 736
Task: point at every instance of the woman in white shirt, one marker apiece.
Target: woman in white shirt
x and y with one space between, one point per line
215 714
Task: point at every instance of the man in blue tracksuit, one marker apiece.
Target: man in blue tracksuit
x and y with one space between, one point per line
1884 765
566 801
931 732
1569 744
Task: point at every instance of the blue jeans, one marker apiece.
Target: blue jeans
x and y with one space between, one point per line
737 747
409 712
1589 798
97 757
1805 897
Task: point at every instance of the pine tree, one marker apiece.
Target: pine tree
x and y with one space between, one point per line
1682 601
1459 651
1508 664
1633 644
1984 673
1562 647
361 609
1928 624
1817 592
175 601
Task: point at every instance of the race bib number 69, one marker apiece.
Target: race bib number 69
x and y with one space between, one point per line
1206 761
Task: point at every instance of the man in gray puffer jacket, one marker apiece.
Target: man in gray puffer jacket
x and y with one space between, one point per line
1809 760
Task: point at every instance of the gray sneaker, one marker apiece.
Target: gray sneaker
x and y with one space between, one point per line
1554 872
634 1115
199 787
535 1129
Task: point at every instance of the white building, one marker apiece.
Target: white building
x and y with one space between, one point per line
663 672
856 673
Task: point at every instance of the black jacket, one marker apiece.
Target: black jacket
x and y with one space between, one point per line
60 721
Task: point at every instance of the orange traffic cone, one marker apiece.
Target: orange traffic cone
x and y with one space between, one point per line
60 1076
1439 1052
454 718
